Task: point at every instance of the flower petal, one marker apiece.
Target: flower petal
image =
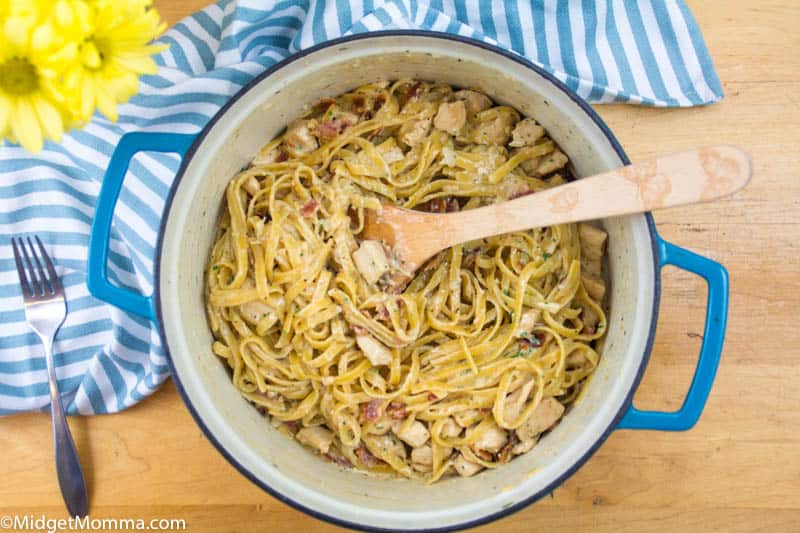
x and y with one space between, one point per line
64 55
26 128
5 113
42 38
106 103
49 118
141 64
65 16
16 29
87 96
90 56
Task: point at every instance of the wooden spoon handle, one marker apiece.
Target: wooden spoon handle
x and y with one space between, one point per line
694 176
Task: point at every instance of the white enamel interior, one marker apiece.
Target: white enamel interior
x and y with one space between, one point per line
284 465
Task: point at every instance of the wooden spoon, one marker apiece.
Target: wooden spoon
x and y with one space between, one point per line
694 176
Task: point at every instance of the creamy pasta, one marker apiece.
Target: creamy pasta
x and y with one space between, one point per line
459 368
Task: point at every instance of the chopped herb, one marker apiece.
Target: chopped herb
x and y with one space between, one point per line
531 338
547 256
600 325
215 267
509 504
519 353
507 292
379 427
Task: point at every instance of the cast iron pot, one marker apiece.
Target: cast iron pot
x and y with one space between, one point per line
282 467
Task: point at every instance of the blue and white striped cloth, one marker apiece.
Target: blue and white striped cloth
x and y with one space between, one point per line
646 51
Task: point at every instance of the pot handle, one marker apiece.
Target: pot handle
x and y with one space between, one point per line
716 316
97 265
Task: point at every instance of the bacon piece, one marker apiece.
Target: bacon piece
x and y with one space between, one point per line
371 410
397 410
309 208
469 256
382 313
520 193
366 457
359 104
322 105
532 340
331 128
339 460
414 90
504 454
446 204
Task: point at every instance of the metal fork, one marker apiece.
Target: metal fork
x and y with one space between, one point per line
45 310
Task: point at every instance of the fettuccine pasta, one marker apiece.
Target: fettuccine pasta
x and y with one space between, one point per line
459 368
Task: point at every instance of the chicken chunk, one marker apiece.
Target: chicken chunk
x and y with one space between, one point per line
526 133
595 287
316 437
494 126
298 140
422 458
466 468
422 455
514 187
389 151
450 429
547 413
251 185
377 353
492 439
451 117
371 261
575 359
590 320
516 400
523 446
414 132
415 435
385 445
593 241
551 162
528 319
474 102
254 311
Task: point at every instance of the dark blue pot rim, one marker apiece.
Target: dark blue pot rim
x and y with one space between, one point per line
471 42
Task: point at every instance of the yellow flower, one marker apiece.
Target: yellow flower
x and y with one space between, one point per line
114 51
31 58
62 59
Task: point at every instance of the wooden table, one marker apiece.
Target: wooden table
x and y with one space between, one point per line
737 470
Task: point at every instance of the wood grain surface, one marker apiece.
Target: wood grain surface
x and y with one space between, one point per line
737 470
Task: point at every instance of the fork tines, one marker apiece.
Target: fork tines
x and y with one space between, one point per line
34 281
